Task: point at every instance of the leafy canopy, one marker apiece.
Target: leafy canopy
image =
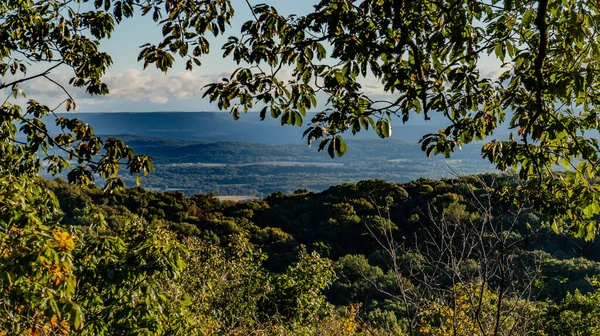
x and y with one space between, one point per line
94 279
426 54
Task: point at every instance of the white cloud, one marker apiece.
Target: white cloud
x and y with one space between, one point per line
159 100
137 85
372 89
130 89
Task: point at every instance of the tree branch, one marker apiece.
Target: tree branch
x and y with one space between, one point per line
542 26
43 74
252 10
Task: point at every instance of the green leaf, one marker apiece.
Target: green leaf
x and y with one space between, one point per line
527 16
332 147
340 148
499 50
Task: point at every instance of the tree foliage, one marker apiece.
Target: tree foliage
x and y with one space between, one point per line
104 270
433 57
67 34
160 263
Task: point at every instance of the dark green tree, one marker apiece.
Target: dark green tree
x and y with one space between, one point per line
91 278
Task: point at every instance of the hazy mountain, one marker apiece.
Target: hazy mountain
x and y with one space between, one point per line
220 126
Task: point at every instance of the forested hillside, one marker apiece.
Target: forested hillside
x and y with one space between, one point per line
372 258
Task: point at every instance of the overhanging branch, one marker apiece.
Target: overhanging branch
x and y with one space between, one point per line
5 85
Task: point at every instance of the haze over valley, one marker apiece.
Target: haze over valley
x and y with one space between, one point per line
209 152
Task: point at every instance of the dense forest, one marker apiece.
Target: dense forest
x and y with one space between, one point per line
372 258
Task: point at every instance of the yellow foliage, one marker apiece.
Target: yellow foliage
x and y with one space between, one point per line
457 316
343 323
472 309
65 241
65 328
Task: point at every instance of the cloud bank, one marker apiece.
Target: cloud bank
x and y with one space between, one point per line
130 90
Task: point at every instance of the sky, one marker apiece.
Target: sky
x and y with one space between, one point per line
133 89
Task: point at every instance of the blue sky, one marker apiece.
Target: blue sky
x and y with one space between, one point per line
134 89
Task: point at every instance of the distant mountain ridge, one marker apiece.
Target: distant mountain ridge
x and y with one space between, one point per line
220 126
